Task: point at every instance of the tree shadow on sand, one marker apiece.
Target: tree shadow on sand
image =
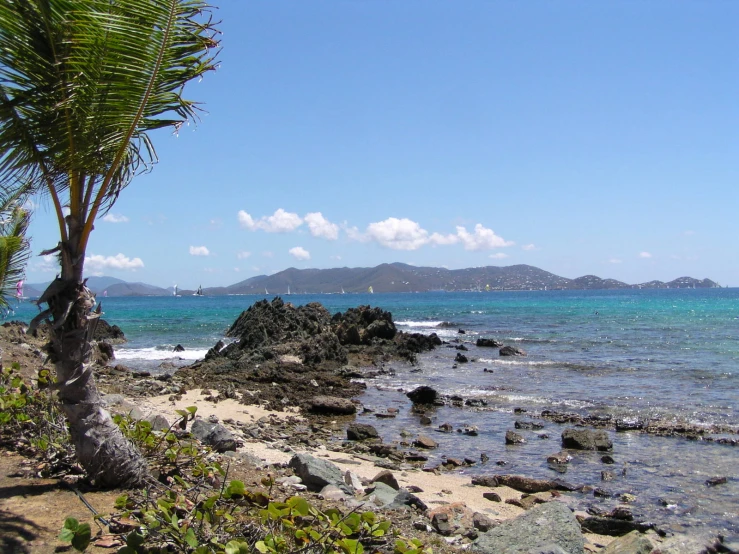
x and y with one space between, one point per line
16 532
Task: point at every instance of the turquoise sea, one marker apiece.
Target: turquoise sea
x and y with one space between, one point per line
635 354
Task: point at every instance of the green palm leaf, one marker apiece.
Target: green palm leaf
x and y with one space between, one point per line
14 246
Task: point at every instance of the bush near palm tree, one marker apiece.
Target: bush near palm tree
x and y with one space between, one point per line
82 83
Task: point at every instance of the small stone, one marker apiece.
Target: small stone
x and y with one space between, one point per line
511 437
607 476
425 442
493 496
713 481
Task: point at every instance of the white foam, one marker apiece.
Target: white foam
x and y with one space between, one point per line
158 354
429 324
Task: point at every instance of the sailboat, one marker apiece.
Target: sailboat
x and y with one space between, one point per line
370 290
19 290
174 293
265 292
288 289
105 293
342 290
199 292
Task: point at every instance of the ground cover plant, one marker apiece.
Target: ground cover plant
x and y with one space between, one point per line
192 502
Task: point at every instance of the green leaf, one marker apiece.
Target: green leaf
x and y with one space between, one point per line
299 505
190 538
134 539
82 536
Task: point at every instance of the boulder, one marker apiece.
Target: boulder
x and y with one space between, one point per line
423 395
316 473
511 351
488 343
213 434
631 543
526 484
179 348
363 324
158 422
361 431
611 526
545 525
586 439
460 358
425 442
528 425
333 405
512 437
107 332
386 476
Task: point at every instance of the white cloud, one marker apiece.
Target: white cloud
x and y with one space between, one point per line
279 222
354 233
437 238
528 247
645 255
242 255
499 255
482 239
398 234
321 227
98 263
115 218
614 261
199 251
300 253
46 264
246 221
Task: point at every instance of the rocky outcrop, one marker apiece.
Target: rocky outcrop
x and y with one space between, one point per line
363 324
333 405
511 351
213 434
488 343
423 395
107 332
361 431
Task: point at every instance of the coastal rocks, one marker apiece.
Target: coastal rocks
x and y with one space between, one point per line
488 343
630 543
585 439
362 324
546 524
511 351
423 395
460 358
526 484
179 348
528 425
109 333
213 434
425 442
612 526
511 437
361 431
316 473
332 405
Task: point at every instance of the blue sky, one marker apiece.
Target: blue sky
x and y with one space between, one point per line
580 137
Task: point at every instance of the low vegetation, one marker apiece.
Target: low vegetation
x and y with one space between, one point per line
191 504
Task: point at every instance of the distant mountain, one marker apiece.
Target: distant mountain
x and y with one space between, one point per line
395 277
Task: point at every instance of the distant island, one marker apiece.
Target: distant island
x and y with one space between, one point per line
394 277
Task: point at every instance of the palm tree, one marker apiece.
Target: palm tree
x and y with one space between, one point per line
82 82
15 248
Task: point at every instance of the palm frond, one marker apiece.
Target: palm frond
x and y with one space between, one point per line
15 246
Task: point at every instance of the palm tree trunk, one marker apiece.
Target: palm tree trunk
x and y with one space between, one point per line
102 450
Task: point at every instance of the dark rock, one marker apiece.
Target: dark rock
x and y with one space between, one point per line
607 476
492 496
109 333
461 347
425 420
612 527
481 522
512 437
213 434
559 458
405 498
629 425
713 481
387 477
104 352
528 425
607 459
454 462
511 351
446 428
316 473
440 522
361 431
488 343
425 442
423 395
603 493
585 439
526 484
363 324
461 331
179 348
485 481
544 525
460 358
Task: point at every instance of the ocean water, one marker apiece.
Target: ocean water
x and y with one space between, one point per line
670 354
